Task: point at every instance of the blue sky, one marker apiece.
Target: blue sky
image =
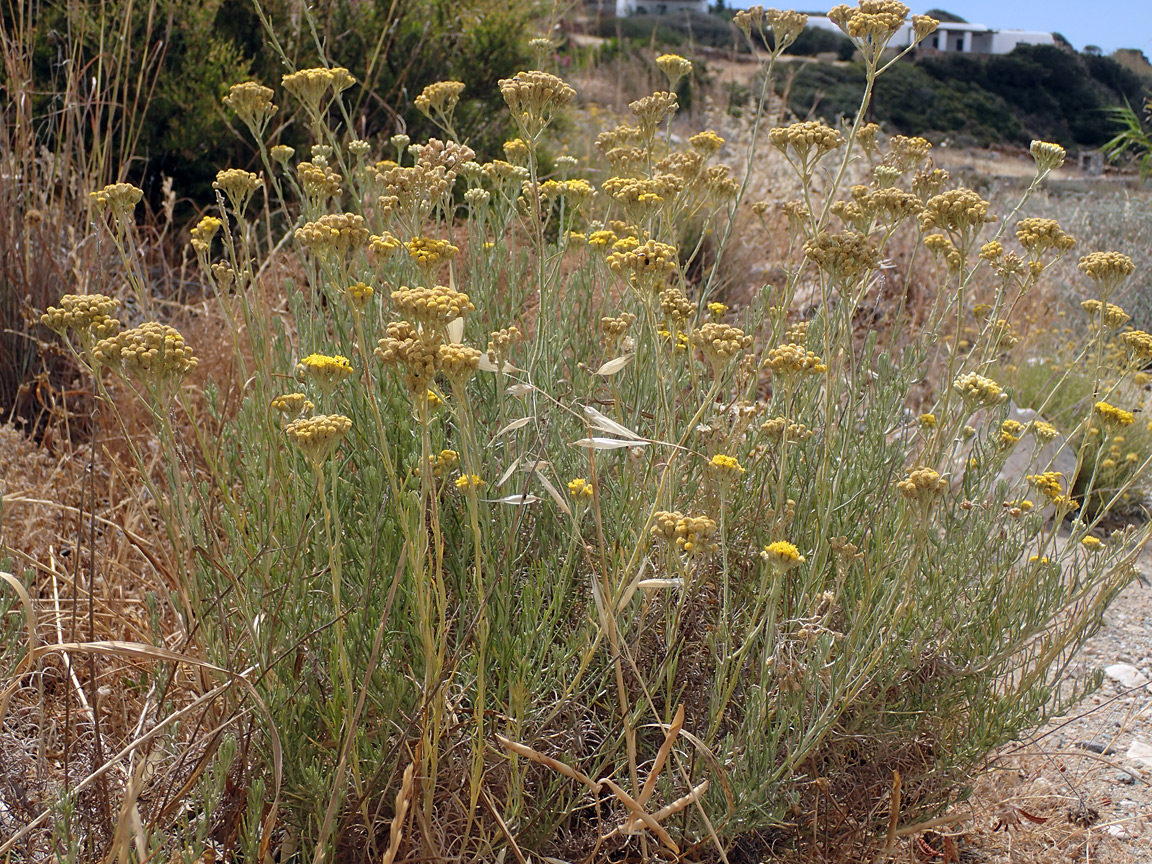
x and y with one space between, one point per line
1110 24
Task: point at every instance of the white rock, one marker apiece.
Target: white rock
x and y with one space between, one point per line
1126 675
1140 752
1119 832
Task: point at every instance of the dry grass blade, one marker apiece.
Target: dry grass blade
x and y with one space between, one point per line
638 814
25 661
547 761
396 830
680 803
151 652
662 756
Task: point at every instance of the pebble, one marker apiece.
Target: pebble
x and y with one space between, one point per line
1124 778
1126 675
1119 832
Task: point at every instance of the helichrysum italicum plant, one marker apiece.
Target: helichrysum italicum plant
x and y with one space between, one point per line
580 430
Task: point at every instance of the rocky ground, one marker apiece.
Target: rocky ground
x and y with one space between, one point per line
1079 788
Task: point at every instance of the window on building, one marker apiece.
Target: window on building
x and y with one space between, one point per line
960 44
935 41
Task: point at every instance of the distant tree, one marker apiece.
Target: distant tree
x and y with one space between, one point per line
945 17
1093 50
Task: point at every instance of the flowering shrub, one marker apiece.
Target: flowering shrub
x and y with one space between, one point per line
777 577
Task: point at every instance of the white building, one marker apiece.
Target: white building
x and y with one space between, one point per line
958 38
658 7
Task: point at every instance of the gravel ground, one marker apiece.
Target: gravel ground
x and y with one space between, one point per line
1079 788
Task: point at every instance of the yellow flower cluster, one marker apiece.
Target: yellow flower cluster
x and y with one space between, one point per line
1040 235
782 555
533 97
693 535
443 462
978 390
576 191
1092 544
725 468
252 103
468 481
1048 157
1107 270
1010 433
432 307
317 436
960 211
319 182
806 142
333 233
906 152
844 257
501 344
458 362
1045 431
440 97
720 342
778 427
381 247
580 489
120 199
928 421
326 371
922 484
90 315
427 252
1139 343
674 67
358 294
792 359
282 153
152 351
652 110
1112 416
615 329
706 143
238 185
296 404
649 262
1048 484
203 233
417 352
1111 316
311 86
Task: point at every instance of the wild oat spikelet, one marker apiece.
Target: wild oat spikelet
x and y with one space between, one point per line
782 555
317 436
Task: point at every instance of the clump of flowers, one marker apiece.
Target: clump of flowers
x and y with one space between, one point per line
845 257
647 264
358 294
501 344
1108 315
334 234
978 390
311 86
1011 431
534 98
292 404
782 556
720 343
327 372
1045 431
318 436
692 535
119 199
725 468
438 100
91 316
804 144
1138 343
922 484
202 234
1048 156
674 68
794 360
580 490
1107 270
428 252
458 362
1113 417
960 213
1041 235
238 186
1049 484
469 481
152 352
432 307
252 103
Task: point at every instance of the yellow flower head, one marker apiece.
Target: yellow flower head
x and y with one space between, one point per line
435 307
928 421
674 68
326 371
252 103
725 468
468 481
1045 431
922 484
782 555
119 199
580 489
978 390
439 98
1107 270
358 294
1048 156
292 404
89 315
317 436
1112 416
152 352
1092 544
